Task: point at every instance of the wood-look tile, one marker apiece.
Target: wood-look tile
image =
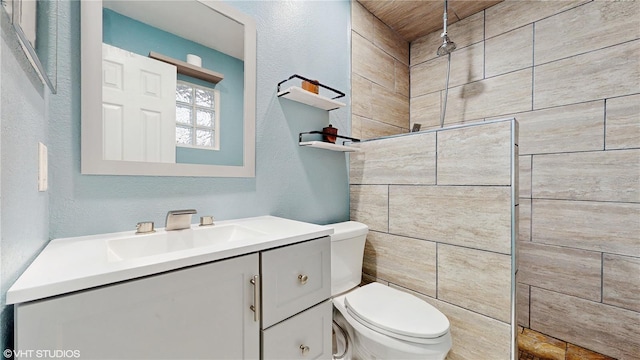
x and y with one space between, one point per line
522 307
499 95
524 220
466 66
402 79
465 32
408 159
425 110
605 73
361 96
568 128
601 176
569 271
589 27
475 155
368 61
603 328
389 107
369 205
453 214
386 39
509 51
512 14
474 336
404 261
372 129
524 174
621 281
542 345
598 226
623 123
361 20
579 353
476 280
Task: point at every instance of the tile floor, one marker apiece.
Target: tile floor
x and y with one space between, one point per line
533 345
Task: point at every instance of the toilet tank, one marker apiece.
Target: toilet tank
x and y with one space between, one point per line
347 250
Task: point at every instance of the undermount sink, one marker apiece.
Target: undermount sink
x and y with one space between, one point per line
163 242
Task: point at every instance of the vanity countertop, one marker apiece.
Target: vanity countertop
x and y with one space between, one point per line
72 264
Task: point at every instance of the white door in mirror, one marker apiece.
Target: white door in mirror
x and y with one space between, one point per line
138 107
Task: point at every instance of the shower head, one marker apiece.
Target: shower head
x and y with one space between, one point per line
447 45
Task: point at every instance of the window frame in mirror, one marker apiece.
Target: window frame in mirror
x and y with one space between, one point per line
92 161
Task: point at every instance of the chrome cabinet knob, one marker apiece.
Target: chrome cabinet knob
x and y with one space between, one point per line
303 279
304 349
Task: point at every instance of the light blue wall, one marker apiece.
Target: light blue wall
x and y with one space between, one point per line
24 221
129 34
305 37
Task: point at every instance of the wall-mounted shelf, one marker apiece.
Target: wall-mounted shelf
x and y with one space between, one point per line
187 69
300 95
329 146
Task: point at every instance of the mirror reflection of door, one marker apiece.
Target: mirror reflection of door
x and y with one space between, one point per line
138 107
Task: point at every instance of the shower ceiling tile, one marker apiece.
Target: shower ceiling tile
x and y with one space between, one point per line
475 155
472 216
475 280
385 256
402 160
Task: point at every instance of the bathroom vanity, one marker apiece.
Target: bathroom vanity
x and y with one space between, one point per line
242 289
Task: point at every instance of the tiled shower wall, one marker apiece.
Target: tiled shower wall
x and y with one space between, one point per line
439 206
569 71
379 77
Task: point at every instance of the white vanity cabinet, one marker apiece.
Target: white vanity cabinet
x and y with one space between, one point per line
201 312
296 312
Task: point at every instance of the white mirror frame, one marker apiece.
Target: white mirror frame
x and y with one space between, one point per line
92 161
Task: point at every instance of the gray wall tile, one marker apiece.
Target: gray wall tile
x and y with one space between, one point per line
371 63
621 281
524 174
623 122
566 270
524 220
475 280
509 52
369 205
475 155
601 176
522 293
600 327
598 226
453 214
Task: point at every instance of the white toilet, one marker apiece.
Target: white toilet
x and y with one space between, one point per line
381 322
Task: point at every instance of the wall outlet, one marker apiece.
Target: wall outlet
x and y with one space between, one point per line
43 168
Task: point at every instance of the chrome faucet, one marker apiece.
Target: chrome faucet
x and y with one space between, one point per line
179 219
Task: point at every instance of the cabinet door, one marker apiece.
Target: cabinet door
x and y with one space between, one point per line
295 278
201 312
304 336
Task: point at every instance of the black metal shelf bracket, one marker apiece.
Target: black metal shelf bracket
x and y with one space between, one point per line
294 76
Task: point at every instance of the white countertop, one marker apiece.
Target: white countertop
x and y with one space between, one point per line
72 264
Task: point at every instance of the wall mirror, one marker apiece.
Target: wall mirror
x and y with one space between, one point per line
168 88
36 23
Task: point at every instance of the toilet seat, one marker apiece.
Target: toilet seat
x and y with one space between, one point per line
396 314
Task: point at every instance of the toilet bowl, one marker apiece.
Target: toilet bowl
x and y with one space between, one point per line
376 321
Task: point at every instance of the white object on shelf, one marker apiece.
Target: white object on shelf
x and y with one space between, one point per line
329 146
307 97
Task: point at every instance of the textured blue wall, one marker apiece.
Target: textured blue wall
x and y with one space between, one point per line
24 221
310 38
129 34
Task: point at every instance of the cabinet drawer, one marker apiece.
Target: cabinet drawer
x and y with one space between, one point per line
304 336
295 278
